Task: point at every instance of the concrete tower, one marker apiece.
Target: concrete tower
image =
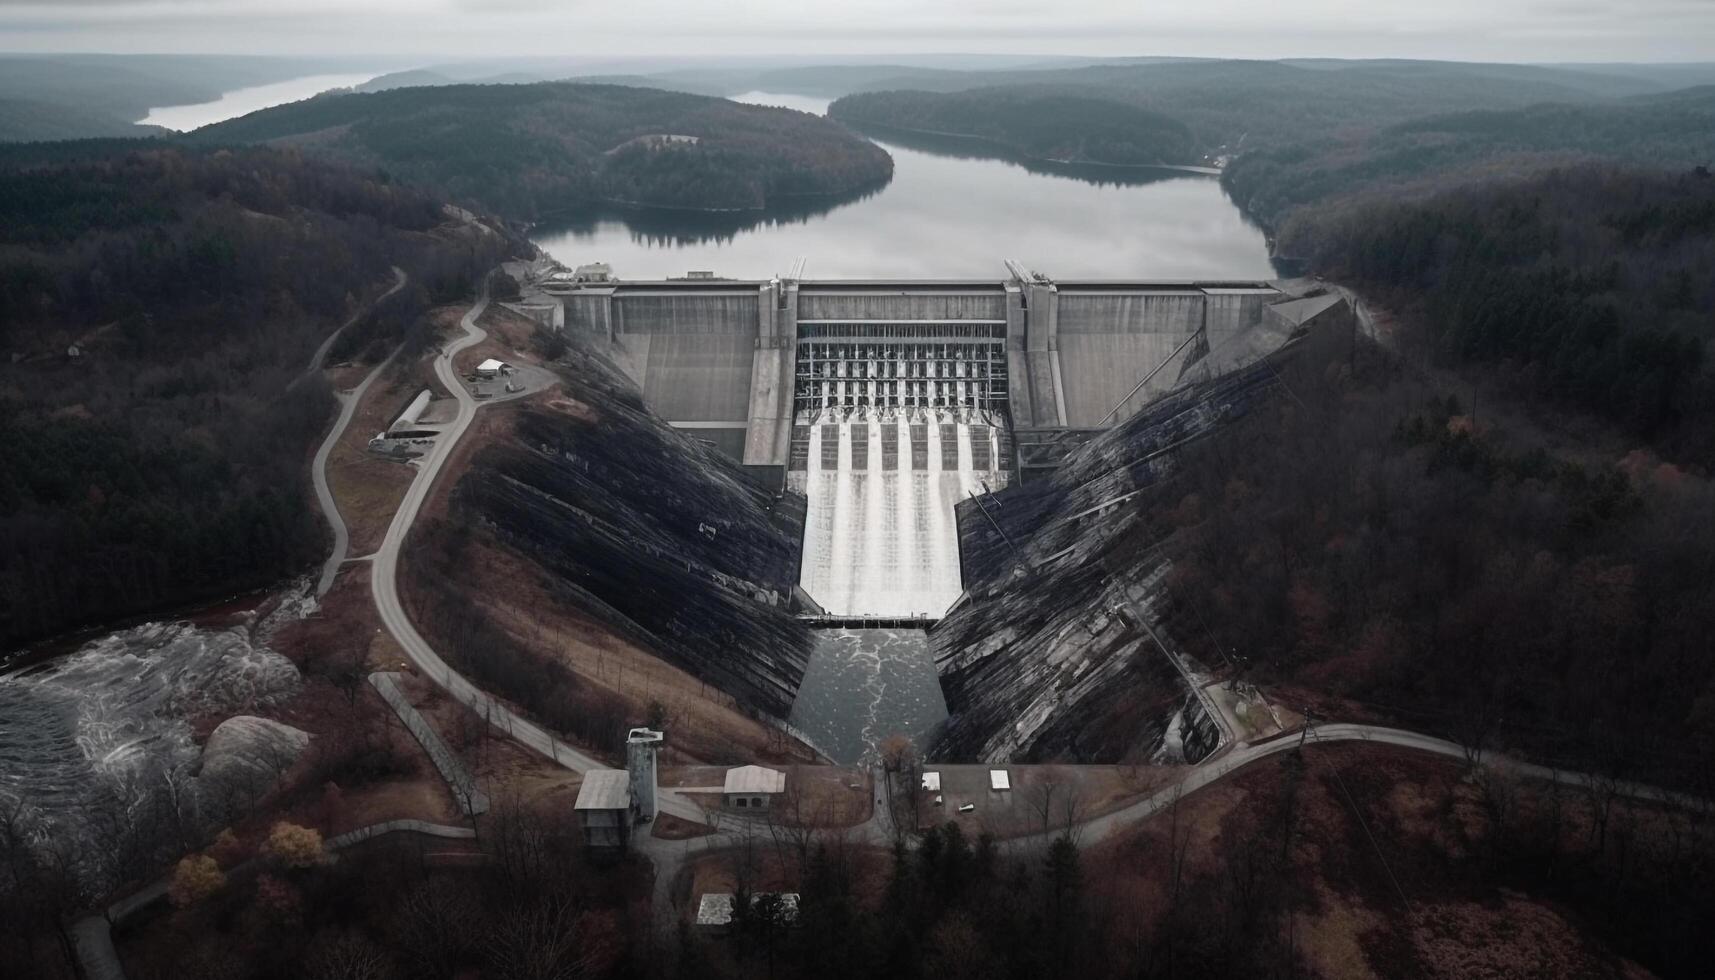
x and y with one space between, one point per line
641 744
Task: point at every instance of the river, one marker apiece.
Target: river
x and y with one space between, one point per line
948 212
239 102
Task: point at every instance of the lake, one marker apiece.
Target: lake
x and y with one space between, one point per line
947 213
238 102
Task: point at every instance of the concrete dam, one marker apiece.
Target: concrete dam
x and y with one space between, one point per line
886 404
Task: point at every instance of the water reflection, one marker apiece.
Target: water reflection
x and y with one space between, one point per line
948 213
977 148
671 227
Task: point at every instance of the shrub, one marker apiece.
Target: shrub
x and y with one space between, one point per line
196 878
294 846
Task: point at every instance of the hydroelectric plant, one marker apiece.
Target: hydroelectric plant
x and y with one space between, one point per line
907 416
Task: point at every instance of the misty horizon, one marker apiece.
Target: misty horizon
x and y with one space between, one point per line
1513 32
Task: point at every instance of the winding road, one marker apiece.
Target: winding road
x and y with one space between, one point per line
348 401
384 574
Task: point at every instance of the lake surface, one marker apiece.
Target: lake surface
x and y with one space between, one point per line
948 212
238 102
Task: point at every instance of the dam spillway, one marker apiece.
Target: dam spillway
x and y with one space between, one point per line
880 536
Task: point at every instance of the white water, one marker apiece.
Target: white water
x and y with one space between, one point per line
882 541
865 685
87 740
238 102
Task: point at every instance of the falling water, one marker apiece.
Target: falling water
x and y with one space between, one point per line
880 537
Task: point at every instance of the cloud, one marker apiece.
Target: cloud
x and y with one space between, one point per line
1510 30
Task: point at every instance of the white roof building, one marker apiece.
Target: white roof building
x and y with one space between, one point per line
604 808
492 367
604 789
999 779
755 779
932 782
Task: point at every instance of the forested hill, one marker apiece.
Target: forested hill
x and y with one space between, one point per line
1570 248
1673 130
1249 105
158 306
524 150
1036 123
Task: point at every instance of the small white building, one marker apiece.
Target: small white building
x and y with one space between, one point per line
999 780
752 787
604 808
932 782
492 368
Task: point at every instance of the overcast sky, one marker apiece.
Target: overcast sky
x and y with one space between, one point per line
1479 30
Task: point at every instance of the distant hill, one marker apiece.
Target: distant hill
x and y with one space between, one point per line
1036 123
1247 104
1675 131
50 97
526 150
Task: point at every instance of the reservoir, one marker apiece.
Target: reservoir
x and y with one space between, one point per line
239 102
947 213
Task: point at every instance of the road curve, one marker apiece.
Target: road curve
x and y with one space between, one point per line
384 584
348 406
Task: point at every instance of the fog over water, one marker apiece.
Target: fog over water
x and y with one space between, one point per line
945 215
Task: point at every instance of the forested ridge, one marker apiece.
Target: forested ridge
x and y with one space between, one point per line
524 150
1034 123
1276 184
158 306
1372 537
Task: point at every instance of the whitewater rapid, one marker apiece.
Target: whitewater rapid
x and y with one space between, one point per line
92 740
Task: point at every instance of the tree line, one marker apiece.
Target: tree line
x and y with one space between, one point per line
158 310
528 150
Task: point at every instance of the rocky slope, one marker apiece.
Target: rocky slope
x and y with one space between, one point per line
647 530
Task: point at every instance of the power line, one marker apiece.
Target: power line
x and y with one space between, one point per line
1310 728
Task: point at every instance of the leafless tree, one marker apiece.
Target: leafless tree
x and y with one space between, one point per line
793 817
519 838
435 926
347 956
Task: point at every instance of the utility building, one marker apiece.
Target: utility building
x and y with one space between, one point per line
641 746
752 787
604 809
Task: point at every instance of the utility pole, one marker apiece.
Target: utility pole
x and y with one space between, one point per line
1304 733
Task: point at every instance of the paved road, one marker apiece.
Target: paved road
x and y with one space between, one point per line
384 568
347 407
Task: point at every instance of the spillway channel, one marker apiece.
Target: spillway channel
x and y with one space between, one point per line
880 538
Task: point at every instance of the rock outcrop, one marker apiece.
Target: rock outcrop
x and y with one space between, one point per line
243 758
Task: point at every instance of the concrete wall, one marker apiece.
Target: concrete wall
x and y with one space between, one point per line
725 353
1109 341
881 303
688 312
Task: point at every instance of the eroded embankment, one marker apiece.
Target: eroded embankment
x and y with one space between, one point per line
660 538
1049 658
